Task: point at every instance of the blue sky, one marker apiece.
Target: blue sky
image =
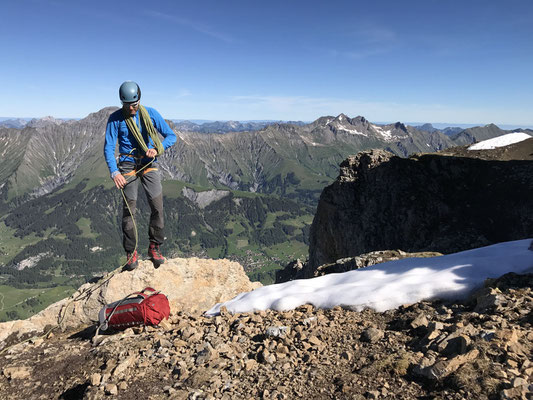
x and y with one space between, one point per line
425 61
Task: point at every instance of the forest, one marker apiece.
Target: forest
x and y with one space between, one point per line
76 232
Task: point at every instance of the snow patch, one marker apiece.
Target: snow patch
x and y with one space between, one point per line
387 135
389 285
500 141
351 131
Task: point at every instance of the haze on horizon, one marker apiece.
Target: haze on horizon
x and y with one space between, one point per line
440 62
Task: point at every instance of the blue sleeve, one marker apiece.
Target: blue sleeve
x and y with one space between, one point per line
111 135
162 127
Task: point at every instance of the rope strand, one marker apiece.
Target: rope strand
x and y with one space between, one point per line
99 284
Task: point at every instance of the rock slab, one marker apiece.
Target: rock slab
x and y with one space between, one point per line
191 284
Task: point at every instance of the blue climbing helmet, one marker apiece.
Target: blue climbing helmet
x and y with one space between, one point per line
129 92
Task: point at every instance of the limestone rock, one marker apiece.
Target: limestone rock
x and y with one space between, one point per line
372 335
487 298
124 365
20 372
420 320
191 284
300 270
322 355
277 331
96 378
111 389
445 367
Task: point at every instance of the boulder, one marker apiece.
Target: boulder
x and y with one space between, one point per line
191 284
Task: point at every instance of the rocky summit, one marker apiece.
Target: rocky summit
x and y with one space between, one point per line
191 284
478 349
447 202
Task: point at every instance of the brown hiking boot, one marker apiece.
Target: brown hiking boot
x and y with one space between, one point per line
132 262
154 253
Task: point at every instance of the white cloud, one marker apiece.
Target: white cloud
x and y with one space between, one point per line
194 25
372 33
183 93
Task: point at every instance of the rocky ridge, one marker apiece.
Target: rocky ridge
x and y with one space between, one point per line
477 349
446 202
299 269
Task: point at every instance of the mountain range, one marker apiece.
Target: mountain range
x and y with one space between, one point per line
248 196
49 153
226 126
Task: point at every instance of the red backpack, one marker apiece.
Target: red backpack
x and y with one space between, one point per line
147 307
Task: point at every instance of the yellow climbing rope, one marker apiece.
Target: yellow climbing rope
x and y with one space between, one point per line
86 293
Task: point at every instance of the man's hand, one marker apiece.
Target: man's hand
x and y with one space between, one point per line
120 181
151 153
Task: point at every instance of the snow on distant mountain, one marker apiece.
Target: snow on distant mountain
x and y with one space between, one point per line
360 126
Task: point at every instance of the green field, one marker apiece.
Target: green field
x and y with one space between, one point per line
23 303
85 225
11 245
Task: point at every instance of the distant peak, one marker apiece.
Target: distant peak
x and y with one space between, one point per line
400 125
48 120
324 120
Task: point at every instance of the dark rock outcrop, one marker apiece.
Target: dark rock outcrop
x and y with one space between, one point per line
445 202
300 270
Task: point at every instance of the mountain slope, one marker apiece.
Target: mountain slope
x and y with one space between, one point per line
52 154
477 134
285 159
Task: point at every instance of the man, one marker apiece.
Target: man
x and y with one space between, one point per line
136 128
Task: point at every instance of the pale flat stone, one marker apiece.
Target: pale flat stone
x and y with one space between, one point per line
17 372
191 284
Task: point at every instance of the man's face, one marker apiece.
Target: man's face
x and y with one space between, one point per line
131 108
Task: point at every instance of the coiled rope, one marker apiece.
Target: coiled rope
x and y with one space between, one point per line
86 293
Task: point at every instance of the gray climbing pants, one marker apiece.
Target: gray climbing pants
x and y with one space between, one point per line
150 179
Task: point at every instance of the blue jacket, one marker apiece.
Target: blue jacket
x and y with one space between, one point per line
117 129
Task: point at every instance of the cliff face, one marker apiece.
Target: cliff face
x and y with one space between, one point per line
445 202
